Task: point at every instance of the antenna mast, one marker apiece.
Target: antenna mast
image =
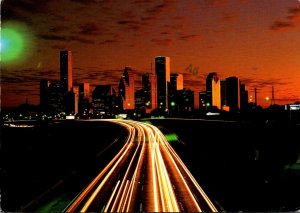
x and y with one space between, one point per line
255 96
273 96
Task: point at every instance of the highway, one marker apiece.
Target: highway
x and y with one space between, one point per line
146 175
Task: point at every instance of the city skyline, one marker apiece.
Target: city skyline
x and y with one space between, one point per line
254 40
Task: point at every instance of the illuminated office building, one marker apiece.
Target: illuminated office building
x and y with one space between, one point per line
233 93
84 98
175 85
244 97
162 69
213 90
176 81
66 78
44 95
126 89
104 100
56 99
149 91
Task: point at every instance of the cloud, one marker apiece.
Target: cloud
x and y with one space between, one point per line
294 13
162 42
197 85
58 47
127 14
280 26
130 24
108 41
142 1
259 83
189 37
89 29
229 17
158 9
52 37
104 77
28 75
288 100
165 33
85 1
289 22
216 3
22 10
28 6
57 29
113 38
146 19
82 40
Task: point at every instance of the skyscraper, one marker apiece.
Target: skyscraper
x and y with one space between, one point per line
66 78
176 81
44 95
56 98
84 98
75 99
213 90
244 97
104 100
223 93
233 93
150 91
126 89
185 101
162 68
175 85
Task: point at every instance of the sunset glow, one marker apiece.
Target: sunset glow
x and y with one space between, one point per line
256 40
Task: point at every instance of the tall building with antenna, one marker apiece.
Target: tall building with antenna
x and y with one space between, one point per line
126 89
66 75
149 91
273 96
162 68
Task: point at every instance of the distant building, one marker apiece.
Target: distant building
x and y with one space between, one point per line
149 88
140 99
185 101
74 100
204 101
84 98
162 69
44 95
56 98
104 100
126 89
244 97
213 90
176 84
66 78
176 81
233 93
223 93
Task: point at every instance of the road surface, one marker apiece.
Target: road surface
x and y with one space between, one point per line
145 176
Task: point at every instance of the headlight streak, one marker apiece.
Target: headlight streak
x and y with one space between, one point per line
90 200
84 194
160 192
123 182
111 197
135 173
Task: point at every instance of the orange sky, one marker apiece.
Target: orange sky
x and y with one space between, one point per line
255 40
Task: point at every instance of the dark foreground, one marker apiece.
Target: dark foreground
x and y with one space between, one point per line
247 167
242 166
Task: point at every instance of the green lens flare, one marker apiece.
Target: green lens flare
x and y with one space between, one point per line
12 44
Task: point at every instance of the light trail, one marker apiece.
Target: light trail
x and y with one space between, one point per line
153 178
